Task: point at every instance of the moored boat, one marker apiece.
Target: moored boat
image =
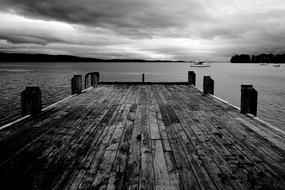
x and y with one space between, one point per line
200 64
263 64
276 65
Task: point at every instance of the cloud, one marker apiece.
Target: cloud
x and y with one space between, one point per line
112 13
182 29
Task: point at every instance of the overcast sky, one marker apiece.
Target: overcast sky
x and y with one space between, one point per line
148 29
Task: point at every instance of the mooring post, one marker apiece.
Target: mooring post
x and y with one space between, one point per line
143 77
248 101
95 79
192 77
208 85
86 80
76 84
31 101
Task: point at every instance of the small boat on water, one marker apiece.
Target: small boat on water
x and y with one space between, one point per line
263 64
276 65
200 64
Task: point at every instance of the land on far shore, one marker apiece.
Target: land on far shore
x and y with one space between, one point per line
261 58
21 57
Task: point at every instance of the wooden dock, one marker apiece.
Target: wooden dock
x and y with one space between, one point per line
142 136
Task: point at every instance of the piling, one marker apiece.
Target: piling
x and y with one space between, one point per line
208 85
248 103
76 84
192 77
86 79
143 77
31 101
94 79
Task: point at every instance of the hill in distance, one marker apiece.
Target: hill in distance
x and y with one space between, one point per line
21 57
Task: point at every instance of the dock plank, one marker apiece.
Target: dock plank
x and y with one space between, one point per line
142 136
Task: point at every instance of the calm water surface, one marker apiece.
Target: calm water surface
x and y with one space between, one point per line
54 81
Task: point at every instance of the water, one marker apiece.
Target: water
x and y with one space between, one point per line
54 81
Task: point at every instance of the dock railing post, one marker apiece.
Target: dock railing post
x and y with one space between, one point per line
192 77
31 101
86 80
76 84
95 79
208 85
248 101
143 77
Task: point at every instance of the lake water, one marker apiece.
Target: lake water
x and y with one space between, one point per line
54 81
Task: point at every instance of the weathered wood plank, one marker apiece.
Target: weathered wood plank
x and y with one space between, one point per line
105 140
162 181
94 131
241 156
185 170
117 176
132 171
237 160
95 153
147 173
159 164
196 163
142 136
172 168
226 111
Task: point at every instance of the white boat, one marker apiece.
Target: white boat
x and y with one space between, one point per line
263 64
276 65
200 64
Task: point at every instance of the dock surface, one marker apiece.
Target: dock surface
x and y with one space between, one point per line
142 136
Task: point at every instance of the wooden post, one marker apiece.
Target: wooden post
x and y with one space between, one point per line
248 101
95 79
208 85
86 80
143 77
192 77
76 84
31 101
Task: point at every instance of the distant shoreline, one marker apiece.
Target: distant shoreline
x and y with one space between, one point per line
261 58
21 57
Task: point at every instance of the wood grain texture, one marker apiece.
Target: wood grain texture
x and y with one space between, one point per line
141 136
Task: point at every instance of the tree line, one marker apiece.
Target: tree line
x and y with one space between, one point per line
262 58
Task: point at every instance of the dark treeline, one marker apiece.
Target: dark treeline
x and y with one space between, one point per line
262 58
20 57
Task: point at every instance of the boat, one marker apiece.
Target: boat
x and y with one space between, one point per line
276 65
263 64
200 64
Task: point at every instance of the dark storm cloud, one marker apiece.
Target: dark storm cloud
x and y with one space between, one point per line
119 13
24 40
180 29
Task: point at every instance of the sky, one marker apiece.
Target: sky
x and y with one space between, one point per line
196 30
